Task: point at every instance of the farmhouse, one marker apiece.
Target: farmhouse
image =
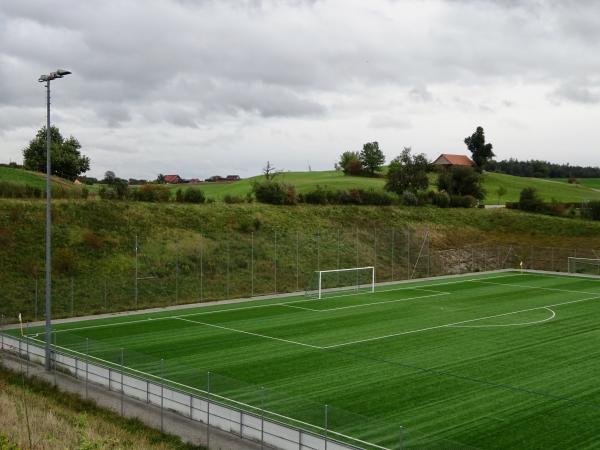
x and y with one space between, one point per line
173 179
448 160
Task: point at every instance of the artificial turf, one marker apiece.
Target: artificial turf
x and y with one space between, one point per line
504 360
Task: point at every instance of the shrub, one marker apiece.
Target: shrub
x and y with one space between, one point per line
441 199
461 180
152 193
409 199
529 200
193 195
592 211
463 201
373 197
572 180
64 261
233 199
274 193
179 195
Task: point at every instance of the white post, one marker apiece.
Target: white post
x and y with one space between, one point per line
373 281
320 274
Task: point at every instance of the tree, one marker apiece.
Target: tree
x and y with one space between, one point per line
372 158
350 163
501 191
481 151
109 177
160 179
67 161
407 173
269 171
529 200
461 180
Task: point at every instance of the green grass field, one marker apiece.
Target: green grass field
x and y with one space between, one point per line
306 181
34 179
503 360
587 182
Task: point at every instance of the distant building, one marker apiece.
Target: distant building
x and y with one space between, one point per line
215 178
173 179
233 178
448 160
195 180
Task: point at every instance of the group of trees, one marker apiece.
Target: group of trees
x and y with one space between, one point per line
368 162
66 159
541 169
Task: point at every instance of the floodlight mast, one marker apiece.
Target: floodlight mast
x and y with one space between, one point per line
46 79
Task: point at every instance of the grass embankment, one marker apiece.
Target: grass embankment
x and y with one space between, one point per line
307 181
30 178
59 420
191 253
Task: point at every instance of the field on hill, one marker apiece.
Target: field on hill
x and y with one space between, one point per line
593 183
26 177
306 181
503 360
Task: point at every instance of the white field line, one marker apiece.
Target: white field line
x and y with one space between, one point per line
289 304
202 391
250 333
448 325
384 302
552 316
535 287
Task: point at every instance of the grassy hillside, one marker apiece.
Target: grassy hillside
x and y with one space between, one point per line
191 253
593 183
58 421
27 177
306 181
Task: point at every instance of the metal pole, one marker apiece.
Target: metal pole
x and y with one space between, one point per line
105 295
252 264
36 300
201 273
275 262
326 426
393 234
48 233
262 417
72 295
228 262
208 410
122 386
319 250
87 359
162 390
136 272
408 253
177 276
297 260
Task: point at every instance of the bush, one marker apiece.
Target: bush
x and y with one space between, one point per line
529 200
152 193
233 199
441 199
409 199
193 195
592 211
274 193
463 201
323 196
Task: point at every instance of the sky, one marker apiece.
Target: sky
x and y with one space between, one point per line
216 87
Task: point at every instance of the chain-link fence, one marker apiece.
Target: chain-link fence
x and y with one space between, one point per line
164 272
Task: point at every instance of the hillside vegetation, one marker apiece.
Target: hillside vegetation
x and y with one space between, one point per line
307 181
63 421
189 253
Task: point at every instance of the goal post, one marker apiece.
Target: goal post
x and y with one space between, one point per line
588 266
331 282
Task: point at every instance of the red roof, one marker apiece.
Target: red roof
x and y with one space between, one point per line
454 160
172 179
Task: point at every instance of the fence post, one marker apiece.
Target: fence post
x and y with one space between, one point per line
162 391
87 359
53 357
297 260
201 271
208 410
36 300
275 262
252 264
72 295
228 266
262 417
177 275
27 343
105 295
408 254
393 234
326 425
122 385
135 283
319 249
552 259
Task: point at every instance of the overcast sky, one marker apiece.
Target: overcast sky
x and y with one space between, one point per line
204 87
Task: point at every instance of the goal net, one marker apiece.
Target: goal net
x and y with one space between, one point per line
325 283
589 266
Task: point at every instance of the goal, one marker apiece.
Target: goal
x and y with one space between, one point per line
329 282
589 266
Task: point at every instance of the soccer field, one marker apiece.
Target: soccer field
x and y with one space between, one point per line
499 360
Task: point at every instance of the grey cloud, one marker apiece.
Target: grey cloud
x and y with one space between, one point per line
577 91
386 121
